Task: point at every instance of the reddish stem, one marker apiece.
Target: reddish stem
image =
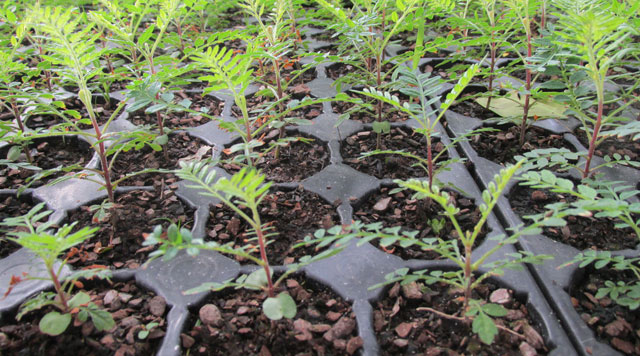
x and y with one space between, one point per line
379 104
179 30
592 143
263 256
468 276
429 162
59 291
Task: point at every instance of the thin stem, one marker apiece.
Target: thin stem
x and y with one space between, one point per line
523 126
594 136
16 113
59 291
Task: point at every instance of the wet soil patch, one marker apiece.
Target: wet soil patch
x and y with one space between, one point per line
10 207
425 216
296 161
401 329
291 214
180 146
131 307
612 323
175 120
138 212
502 146
388 165
367 112
580 232
47 154
232 323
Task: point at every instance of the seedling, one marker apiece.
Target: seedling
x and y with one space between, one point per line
622 293
146 330
247 189
421 86
593 198
467 277
367 32
48 244
593 32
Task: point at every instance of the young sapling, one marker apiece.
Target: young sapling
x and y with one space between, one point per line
475 313
243 193
49 244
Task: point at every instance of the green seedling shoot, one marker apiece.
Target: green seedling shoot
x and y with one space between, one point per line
421 86
467 277
49 245
245 189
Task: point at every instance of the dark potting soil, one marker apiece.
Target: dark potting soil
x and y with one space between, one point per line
289 69
580 232
388 165
10 207
138 212
624 146
516 70
408 39
232 323
468 107
502 146
176 120
48 153
324 36
400 209
102 110
332 49
401 329
449 70
297 161
338 70
612 323
131 307
291 214
256 104
369 115
180 146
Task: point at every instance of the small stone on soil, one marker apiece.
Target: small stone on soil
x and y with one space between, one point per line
342 328
354 344
187 341
500 296
527 350
404 329
382 204
401 342
412 291
538 195
157 305
533 337
210 315
333 316
622 345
